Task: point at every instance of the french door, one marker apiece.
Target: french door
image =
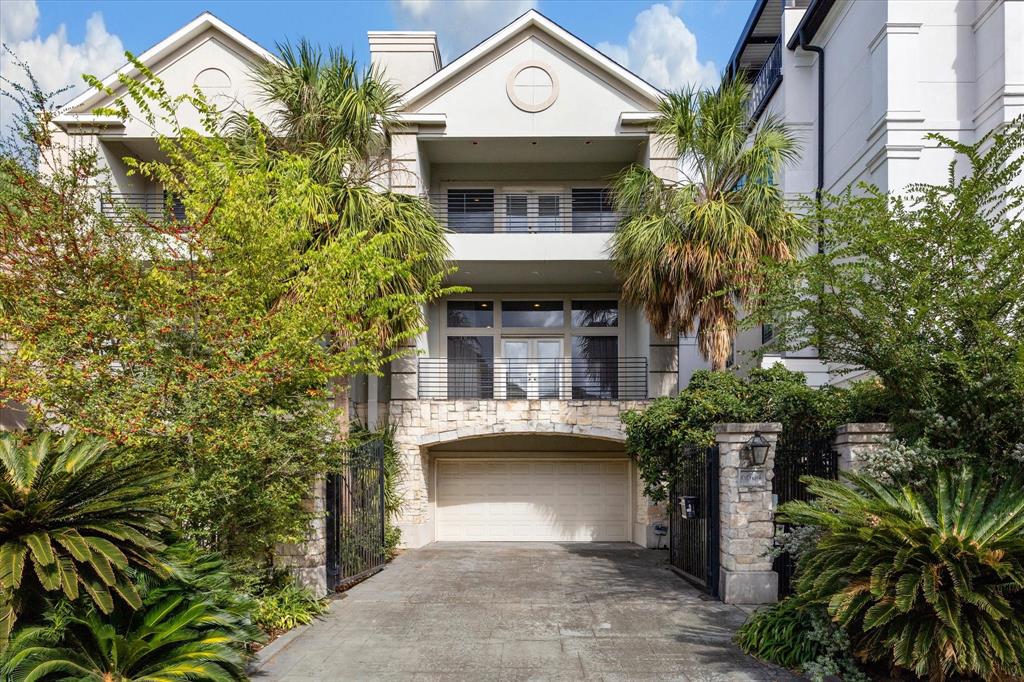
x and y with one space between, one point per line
533 211
533 368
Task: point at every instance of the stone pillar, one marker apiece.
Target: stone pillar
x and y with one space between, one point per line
853 440
307 560
747 516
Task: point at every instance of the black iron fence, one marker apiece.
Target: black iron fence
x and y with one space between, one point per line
486 211
526 379
356 517
694 519
798 454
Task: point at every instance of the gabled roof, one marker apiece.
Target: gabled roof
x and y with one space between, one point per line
532 19
167 46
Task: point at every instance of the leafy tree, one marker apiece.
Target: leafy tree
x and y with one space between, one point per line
210 335
689 252
927 291
327 110
931 580
72 521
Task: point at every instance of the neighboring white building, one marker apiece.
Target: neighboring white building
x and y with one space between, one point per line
894 70
508 416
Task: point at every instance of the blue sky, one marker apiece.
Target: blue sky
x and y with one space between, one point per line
669 43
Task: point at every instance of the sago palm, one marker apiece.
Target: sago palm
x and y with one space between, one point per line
931 581
323 107
688 251
72 520
179 637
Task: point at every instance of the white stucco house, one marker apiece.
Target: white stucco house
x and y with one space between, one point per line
508 412
862 83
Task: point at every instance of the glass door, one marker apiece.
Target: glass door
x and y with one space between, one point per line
533 211
533 368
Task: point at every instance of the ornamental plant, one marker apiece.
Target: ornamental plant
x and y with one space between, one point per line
930 580
74 522
926 289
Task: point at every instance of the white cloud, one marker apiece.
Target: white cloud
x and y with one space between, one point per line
460 24
55 61
662 50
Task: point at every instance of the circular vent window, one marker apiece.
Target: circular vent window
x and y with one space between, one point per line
216 85
532 87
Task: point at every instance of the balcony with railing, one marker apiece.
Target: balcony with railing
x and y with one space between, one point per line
767 80
154 206
485 211
532 379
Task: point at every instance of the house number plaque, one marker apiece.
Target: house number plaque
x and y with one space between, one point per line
751 478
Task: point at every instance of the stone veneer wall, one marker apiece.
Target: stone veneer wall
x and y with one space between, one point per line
307 560
420 424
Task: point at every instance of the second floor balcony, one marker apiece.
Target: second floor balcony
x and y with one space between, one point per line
617 378
485 210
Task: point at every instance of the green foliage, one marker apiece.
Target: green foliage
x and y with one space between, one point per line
925 290
284 606
174 636
689 251
74 521
657 435
211 339
931 580
798 635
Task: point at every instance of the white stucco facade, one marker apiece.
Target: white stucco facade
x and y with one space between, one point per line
895 70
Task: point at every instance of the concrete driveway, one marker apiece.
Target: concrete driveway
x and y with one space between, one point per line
511 611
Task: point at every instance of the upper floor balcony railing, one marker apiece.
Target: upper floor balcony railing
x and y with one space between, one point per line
152 205
484 211
766 80
533 379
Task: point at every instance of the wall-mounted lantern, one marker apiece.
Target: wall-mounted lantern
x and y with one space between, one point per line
757 449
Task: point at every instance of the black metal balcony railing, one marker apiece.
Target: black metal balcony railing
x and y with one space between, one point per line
766 80
484 211
523 379
152 205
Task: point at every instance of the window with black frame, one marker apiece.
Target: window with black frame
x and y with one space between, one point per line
595 367
592 210
471 210
470 367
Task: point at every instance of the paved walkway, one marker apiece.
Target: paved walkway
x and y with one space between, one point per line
519 611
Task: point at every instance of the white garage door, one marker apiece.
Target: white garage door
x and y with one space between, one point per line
539 500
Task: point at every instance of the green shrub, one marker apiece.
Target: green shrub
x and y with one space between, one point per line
930 579
72 520
285 606
798 635
656 436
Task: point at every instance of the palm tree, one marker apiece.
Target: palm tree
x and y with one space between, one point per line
72 521
688 251
326 109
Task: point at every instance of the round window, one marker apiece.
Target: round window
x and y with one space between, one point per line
532 87
216 85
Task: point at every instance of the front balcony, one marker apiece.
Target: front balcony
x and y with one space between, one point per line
486 211
149 205
766 82
623 378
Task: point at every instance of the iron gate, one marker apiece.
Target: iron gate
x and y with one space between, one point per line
797 454
693 518
356 516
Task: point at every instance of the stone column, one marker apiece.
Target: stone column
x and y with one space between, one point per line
306 561
853 440
747 516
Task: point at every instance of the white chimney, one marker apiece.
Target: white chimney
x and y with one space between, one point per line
406 57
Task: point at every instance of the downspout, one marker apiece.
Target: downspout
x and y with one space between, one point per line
821 133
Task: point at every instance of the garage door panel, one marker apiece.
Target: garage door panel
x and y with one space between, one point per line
561 500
